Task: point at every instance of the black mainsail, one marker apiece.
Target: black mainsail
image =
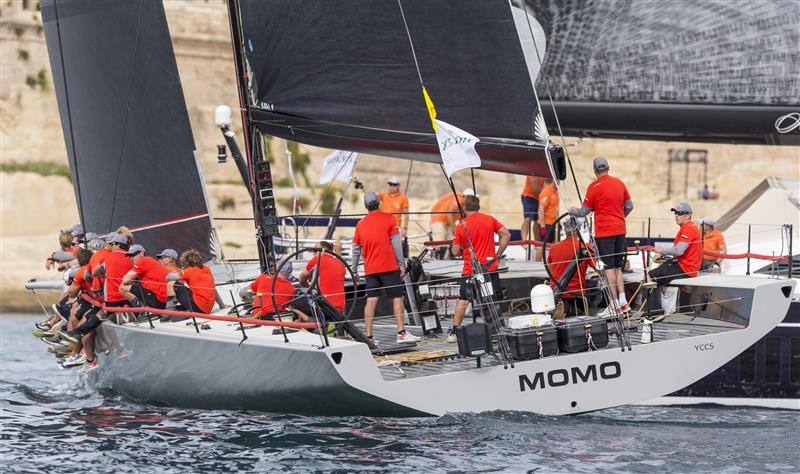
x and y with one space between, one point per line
126 127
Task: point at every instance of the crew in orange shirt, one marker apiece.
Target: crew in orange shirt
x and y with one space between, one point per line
548 212
146 283
611 203
169 258
686 250
530 206
198 291
262 287
445 214
560 257
713 241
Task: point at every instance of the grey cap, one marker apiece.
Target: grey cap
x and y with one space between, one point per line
95 244
135 248
77 229
370 197
115 238
171 253
600 163
393 180
682 207
285 268
90 236
570 225
708 221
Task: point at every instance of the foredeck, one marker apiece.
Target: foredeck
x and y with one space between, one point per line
434 355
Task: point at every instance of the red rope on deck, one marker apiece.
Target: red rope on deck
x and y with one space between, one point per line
213 317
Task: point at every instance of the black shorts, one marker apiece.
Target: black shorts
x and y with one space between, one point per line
83 307
146 297
389 282
611 250
186 298
666 272
465 290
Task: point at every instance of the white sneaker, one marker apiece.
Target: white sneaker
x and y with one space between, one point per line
451 337
74 360
406 337
88 367
609 312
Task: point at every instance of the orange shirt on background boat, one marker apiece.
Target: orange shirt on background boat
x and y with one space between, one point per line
533 186
444 206
713 242
394 204
548 204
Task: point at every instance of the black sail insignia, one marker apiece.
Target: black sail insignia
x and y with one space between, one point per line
126 127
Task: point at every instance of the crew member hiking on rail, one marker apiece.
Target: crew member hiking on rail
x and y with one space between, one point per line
146 283
481 229
608 197
378 238
395 202
559 257
198 291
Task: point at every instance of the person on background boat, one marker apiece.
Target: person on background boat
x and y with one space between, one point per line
560 256
260 291
611 203
530 207
196 291
713 241
116 264
548 213
685 254
445 214
169 258
146 283
395 202
480 229
330 278
378 238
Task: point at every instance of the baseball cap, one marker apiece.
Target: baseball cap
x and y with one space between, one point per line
115 238
708 221
370 197
682 207
286 268
570 224
77 229
90 236
393 180
168 253
468 192
95 244
135 248
600 163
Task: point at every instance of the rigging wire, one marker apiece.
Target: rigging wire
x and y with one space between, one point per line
69 117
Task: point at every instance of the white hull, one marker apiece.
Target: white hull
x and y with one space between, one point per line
171 364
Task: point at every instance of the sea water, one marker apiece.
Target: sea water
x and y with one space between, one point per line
52 422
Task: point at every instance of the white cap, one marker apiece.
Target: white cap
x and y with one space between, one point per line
708 221
393 180
468 192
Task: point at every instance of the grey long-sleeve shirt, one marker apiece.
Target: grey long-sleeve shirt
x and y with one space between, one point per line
675 250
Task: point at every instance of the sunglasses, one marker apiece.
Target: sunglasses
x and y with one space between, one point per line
680 213
392 184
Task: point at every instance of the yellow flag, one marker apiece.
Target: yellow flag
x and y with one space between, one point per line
431 109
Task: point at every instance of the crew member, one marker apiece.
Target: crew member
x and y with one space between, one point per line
198 291
713 241
445 214
169 258
146 283
530 206
477 229
262 290
548 212
559 257
330 279
377 237
686 251
65 257
395 202
81 284
608 197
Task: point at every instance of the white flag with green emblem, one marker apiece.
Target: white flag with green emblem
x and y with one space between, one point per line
338 166
457 148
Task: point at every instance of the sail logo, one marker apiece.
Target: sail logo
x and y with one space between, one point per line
575 375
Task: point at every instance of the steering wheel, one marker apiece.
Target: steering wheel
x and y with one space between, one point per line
313 287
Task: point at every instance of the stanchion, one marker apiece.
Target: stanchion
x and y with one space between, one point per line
748 250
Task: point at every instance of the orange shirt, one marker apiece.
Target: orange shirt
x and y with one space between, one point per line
533 186
331 279
481 228
548 203
153 276
692 257
81 280
94 262
374 233
445 205
606 196
713 242
117 265
262 303
394 205
201 282
559 256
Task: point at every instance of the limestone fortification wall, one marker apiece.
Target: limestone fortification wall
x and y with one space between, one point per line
33 207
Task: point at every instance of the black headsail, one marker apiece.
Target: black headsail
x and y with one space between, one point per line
340 74
126 127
